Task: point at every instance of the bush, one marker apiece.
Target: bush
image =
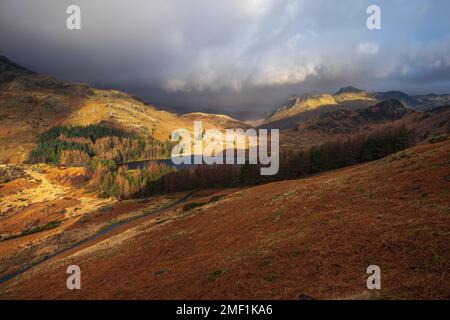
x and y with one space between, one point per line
438 139
192 205
48 226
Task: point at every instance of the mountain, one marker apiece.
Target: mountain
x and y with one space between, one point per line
222 232
407 100
341 124
301 105
32 103
281 240
387 110
241 115
351 121
219 119
10 70
349 89
430 101
306 107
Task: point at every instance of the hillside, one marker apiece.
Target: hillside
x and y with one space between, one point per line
299 239
45 210
33 103
352 121
343 123
307 107
221 120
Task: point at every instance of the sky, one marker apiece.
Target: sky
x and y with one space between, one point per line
231 55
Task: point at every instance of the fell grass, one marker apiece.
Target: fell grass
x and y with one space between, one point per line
48 226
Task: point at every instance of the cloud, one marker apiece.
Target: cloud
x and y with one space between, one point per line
369 48
197 52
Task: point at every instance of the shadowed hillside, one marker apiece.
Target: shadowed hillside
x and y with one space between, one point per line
299 239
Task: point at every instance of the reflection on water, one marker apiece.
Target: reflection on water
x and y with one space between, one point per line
168 162
134 165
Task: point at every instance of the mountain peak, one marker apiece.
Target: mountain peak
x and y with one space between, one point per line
386 110
4 59
10 70
404 98
349 89
6 63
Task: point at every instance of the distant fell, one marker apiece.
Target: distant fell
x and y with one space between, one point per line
349 89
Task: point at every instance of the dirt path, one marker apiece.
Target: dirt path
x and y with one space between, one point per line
47 190
101 235
44 191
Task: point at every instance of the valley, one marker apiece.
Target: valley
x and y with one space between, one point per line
286 240
364 179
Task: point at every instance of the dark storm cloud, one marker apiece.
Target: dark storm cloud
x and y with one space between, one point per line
232 54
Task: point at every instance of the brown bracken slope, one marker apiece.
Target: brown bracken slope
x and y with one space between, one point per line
309 238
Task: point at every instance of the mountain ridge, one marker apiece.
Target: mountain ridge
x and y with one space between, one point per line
349 89
33 103
349 121
9 70
307 106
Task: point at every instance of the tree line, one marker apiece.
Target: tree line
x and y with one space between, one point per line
79 145
121 183
293 165
159 178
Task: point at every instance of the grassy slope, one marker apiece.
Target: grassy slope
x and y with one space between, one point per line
318 103
51 208
426 125
313 237
31 104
